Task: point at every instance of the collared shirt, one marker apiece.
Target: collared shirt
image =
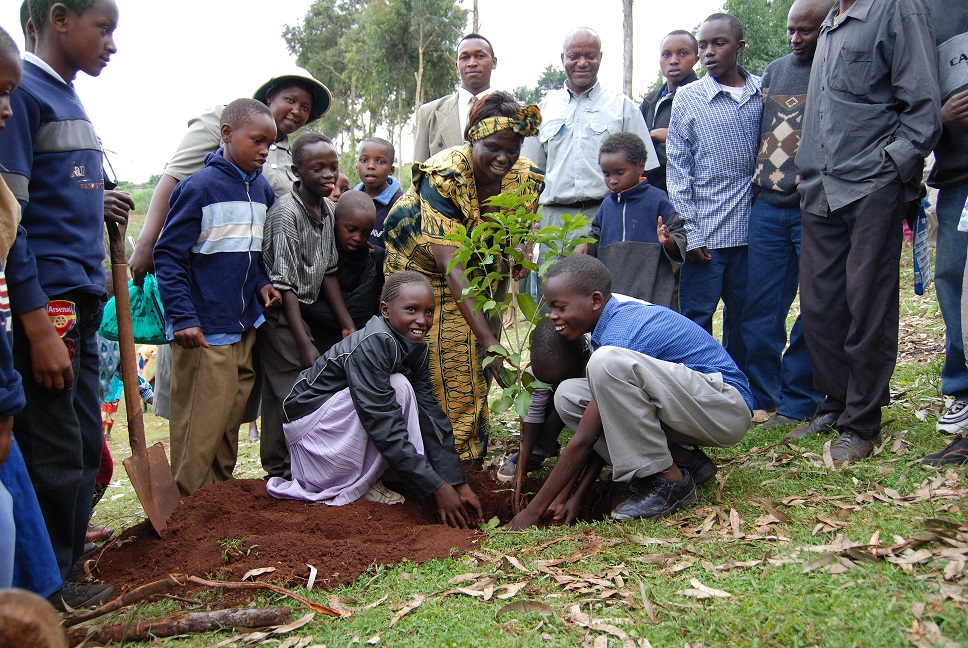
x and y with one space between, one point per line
873 105
666 335
711 152
45 66
464 102
572 130
297 249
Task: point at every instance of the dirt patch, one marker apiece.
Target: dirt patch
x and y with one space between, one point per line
226 529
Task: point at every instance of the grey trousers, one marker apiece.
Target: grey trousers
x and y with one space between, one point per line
646 404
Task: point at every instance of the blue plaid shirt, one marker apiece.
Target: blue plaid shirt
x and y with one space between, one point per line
711 156
664 334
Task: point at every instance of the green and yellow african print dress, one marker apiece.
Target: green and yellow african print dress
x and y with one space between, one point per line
443 196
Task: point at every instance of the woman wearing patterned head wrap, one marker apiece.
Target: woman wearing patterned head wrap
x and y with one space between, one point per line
448 191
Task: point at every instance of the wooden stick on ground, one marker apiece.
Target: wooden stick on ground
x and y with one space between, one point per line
316 607
128 598
177 624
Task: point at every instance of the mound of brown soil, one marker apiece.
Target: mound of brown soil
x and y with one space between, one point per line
226 529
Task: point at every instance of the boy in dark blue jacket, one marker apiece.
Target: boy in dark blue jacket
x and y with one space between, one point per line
208 261
640 237
51 160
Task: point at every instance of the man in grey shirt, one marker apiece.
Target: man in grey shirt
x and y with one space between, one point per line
872 116
575 121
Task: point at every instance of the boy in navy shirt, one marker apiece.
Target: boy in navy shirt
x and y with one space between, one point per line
375 166
657 387
52 162
640 237
208 261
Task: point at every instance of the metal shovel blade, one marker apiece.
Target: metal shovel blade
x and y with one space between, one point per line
151 477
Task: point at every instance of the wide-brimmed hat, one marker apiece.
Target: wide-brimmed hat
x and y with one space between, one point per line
322 98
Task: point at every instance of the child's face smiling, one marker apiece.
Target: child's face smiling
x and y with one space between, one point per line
352 230
620 174
572 313
11 71
247 146
411 312
87 39
318 168
374 165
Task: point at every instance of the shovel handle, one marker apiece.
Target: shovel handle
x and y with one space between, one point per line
129 360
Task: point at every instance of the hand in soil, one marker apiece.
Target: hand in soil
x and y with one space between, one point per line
450 507
523 520
469 499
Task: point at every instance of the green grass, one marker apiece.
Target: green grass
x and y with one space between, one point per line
785 588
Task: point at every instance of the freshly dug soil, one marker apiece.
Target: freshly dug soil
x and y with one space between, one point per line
226 529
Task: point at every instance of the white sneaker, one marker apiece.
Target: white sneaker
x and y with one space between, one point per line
955 419
383 495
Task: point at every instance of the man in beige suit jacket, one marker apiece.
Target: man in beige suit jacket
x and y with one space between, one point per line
441 122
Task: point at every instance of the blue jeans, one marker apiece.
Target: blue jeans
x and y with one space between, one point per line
34 566
948 274
60 432
703 283
778 380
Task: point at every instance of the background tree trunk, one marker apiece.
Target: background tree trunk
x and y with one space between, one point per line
627 47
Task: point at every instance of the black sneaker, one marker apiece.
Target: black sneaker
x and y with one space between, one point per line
655 497
700 466
81 595
955 453
819 424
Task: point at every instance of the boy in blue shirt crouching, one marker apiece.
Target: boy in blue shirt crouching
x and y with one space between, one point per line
658 387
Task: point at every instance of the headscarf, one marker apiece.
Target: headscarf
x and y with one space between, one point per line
524 122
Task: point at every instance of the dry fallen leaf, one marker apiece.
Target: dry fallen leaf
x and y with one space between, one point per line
407 609
312 578
258 571
527 606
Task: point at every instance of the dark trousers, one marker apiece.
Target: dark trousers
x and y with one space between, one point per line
702 284
60 433
279 357
849 305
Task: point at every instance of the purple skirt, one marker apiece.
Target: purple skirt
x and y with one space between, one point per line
332 458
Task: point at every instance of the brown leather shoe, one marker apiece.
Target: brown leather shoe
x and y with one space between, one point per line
851 447
820 423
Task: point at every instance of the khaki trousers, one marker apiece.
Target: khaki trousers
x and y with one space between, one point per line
210 388
646 403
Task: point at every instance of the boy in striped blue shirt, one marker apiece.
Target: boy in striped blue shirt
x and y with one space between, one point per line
657 387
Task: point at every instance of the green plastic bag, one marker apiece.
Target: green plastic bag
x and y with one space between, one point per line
147 314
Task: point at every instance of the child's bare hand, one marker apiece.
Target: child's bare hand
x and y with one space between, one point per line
270 296
6 437
308 354
581 248
190 338
49 358
469 499
567 513
450 508
954 112
117 204
348 331
699 254
523 520
663 233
